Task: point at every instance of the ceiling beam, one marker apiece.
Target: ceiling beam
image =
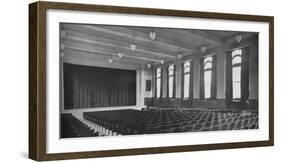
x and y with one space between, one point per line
245 35
132 34
107 51
97 51
198 34
209 37
114 44
85 58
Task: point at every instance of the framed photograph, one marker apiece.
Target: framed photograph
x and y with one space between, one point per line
111 81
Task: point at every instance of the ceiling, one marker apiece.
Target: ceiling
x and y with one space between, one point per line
103 42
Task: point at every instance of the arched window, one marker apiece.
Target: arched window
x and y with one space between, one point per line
186 79
236 73
171 76
158 82
207 76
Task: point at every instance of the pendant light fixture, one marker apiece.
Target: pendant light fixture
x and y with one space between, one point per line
133 45
62 46
120 54
179 54
63 33
152 35
203 47
238 38
110 60
148 65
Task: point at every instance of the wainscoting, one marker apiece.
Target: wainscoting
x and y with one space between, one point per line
199 103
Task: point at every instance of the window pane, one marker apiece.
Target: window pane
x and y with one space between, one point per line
207 59
236 91
158 83
186 66
208 65
208 62
237 52
236 84
171 80
207 83
236 59
236 73
186 86
158 72
171 70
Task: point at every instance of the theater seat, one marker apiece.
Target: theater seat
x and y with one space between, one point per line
73 127
129 121
223 127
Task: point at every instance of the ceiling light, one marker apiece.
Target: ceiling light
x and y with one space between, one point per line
110 60
63 33
62 46
203 49
238 38
149 65
133 47
120 55
162 61
152 35
179 54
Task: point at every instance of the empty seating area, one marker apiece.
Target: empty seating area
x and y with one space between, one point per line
129 122
72 127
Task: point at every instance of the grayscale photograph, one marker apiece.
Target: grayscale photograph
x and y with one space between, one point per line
132 80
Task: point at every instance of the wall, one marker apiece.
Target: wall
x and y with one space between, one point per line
219 102
14 82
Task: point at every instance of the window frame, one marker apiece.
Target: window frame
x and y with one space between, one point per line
233 56
156 78
173 75
183 76
210 69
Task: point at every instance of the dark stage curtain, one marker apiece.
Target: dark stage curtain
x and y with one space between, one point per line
214 78
245 74
88 87
202 78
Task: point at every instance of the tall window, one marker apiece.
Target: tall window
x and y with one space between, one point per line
207 76
158 82
236 73
186 78
171 75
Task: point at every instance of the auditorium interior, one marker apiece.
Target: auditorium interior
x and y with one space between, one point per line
131 80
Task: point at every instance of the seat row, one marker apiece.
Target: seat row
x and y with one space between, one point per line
126 122
72 127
